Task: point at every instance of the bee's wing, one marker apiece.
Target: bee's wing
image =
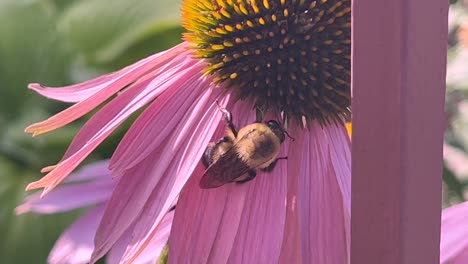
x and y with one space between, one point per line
226 169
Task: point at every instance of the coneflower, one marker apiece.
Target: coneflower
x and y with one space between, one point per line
286 59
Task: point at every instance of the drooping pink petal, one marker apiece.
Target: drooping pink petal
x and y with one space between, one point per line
165 172
462 258
75 245
152 252
202 216
82 91
98 170
291 248
137 96
90 185
77 92
106 120
128 76
454 235
154 126
320 202
340 154
260 233
69 197
206 221
173 179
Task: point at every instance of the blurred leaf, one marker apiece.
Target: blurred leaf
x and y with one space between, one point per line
453 184
102 30
30 51
26 233
160 40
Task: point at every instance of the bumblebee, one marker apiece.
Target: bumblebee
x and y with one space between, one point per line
239 154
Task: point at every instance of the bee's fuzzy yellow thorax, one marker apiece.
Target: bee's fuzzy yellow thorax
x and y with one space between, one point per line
284 55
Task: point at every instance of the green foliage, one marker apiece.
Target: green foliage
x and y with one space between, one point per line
59 42
456 136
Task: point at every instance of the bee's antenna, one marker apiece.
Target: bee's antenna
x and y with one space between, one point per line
287 134
228 118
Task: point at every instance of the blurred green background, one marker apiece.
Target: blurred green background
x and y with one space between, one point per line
59 42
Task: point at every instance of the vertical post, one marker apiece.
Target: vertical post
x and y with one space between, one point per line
398 67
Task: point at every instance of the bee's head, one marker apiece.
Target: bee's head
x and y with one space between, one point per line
277 129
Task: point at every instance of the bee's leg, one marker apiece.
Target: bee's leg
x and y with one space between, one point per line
250 176
230 124
273 164
228 119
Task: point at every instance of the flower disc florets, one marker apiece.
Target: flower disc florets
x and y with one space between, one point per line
290 56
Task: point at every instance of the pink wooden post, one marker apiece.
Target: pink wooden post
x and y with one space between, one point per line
399 60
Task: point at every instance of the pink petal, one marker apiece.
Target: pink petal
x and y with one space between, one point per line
454 235
90 185
98 170
137 96
110 117
340 154
206 222
90 136
158 179
260 233
82 91
75 245
127 76
153 127
462 258
320 202
201 214
77 92
152 252
66 198
291 248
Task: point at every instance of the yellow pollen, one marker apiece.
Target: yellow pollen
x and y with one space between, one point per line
261 21
228 44
221 3
254 6
220 31
243 10
217 47
229 28
225 13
